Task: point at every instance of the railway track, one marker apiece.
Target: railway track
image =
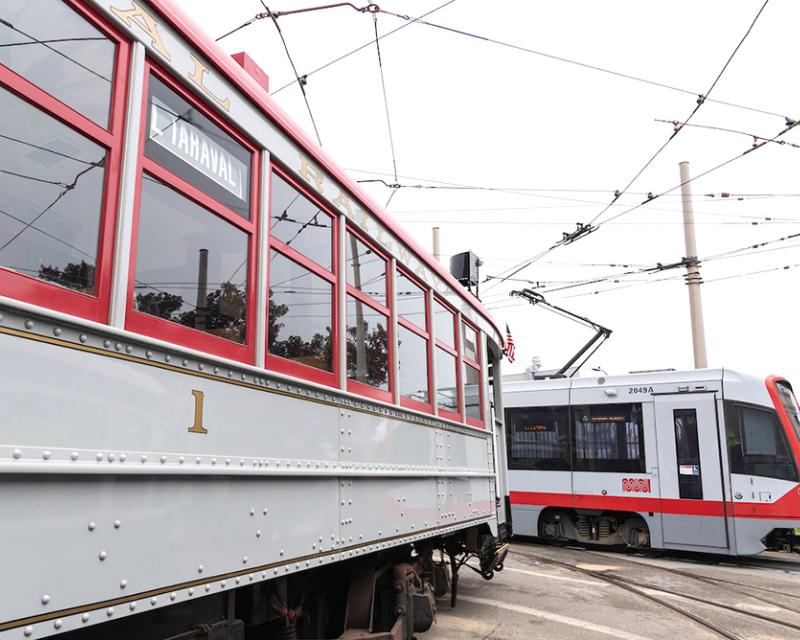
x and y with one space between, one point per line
659 595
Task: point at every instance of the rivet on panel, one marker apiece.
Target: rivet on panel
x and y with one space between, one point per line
163 459
103 555
29 324
123 584
110 611
45 598
28 631
200 568
132 606
153 600
118 346
222 584
198 460
92 526
167 358
46 455
173 595
258 533
184 362
99 456
208 587
111 457
143 458
244 560
16 454
85 617
122 457
57 331
58 623
129 349
117 524
148 354
74 456
181 459
190 592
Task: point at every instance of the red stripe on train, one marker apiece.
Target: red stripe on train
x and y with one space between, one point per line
786 508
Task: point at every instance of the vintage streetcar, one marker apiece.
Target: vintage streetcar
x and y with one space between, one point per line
237 400
701 460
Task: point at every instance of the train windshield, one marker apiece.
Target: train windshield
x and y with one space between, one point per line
789 403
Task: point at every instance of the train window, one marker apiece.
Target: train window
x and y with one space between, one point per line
538 438
470 343
757 443
367 318
444 324
195 231
367 344
687 448
789 403
471 372
412 356
48 231
56 49
301 337
188 144
63 107
411 303
191 266
366 270
413 343
446 382
608 438
300 224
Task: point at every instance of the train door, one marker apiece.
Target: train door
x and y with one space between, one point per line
689 458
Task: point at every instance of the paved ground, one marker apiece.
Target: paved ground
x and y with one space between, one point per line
534 598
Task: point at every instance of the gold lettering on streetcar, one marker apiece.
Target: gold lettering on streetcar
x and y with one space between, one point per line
343 202
311 174
139 17
198 427
198 77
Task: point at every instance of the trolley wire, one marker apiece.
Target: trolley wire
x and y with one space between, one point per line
301 82
756 138
583 230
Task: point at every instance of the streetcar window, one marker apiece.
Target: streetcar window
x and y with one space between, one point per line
789 403
608 438
300 314
56 49
302 283
446 387
757 443
188 144
51 189
191 266
412 342
470 343
367 345
300 224
366 270
412 356
687 448
410 300
444 324
472 392
538 438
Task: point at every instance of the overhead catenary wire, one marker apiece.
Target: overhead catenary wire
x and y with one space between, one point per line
301 83
756 138
585 229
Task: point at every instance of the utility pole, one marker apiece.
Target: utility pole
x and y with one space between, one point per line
437 252
693 278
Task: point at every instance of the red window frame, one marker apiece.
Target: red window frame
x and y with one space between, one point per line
453 351
278 363
474 364
167 330
422 333
353 385
40 292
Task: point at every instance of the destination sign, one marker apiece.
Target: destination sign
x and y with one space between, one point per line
192 145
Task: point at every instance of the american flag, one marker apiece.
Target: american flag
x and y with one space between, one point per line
509 345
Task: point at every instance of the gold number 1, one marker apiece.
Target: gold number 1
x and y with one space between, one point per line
198 427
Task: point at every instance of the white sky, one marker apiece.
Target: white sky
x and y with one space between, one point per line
468 112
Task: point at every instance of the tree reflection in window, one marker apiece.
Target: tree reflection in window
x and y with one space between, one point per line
367 345
300 314
191 266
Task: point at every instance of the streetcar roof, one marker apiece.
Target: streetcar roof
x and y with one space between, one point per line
195 35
